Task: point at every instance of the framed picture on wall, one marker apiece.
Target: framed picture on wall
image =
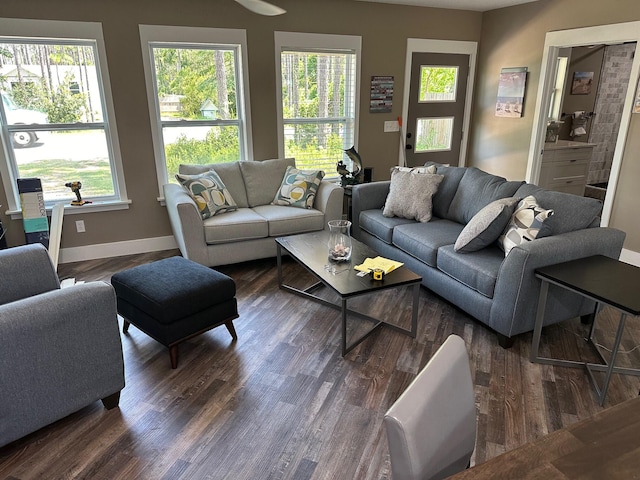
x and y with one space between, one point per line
582 82
511 88
381 94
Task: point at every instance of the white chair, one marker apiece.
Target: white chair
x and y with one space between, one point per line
431 428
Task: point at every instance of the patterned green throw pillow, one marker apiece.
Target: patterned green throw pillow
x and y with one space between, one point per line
298 188
209 193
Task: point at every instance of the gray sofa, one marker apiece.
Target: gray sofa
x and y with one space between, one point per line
61 348
501 292
248 233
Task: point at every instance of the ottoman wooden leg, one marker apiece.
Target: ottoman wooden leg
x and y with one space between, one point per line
125 325
231 329
173 353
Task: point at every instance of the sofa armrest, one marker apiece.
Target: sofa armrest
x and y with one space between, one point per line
517 289
329 198
26 271
186 223
367 196
61 351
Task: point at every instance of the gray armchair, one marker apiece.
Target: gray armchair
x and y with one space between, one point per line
60 348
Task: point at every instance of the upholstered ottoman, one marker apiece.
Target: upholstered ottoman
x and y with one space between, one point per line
174 299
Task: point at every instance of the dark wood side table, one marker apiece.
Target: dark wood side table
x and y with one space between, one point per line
606 281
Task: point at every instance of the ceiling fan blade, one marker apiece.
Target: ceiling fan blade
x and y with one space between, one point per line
261 7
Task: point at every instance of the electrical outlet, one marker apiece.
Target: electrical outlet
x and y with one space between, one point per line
391 126
80 226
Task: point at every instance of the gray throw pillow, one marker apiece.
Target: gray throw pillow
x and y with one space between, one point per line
486 226
410 195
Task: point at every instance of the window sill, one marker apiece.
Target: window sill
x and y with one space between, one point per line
87 208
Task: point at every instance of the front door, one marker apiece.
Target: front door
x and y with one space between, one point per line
436 108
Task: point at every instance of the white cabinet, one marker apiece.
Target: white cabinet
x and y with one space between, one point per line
565 166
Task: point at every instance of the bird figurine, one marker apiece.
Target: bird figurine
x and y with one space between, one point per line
350 177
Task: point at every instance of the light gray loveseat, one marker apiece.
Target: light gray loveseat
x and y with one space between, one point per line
60 349
500 292
248 233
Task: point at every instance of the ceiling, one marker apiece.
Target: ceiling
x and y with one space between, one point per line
478 5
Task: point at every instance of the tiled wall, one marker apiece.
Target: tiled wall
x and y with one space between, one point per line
616 70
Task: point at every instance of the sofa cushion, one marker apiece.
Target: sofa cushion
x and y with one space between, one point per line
570 212
477 270
447 189
486 225
298 188
262 179
373 222
525 223
228 172
289 220
209 193
476 190
410 195
422 240
243 224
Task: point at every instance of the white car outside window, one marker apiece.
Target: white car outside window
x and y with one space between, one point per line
22 116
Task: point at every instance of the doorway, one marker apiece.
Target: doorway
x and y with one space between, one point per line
554 42
441 53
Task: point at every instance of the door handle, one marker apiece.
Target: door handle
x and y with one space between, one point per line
409 147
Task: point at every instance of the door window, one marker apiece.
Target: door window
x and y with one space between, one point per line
438 83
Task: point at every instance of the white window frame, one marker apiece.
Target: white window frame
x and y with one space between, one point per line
55 30
190 37
320 42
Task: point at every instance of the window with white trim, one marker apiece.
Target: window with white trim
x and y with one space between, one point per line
56 112
318 79
197 96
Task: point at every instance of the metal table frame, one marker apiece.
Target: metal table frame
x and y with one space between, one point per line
343 307
606 366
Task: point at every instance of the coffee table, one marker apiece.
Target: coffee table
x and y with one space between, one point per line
310 250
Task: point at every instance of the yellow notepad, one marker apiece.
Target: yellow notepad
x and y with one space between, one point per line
382 263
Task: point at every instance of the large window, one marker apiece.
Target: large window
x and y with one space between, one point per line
196 96
318 77
54 113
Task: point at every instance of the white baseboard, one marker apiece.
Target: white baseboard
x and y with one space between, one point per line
117 249
629 256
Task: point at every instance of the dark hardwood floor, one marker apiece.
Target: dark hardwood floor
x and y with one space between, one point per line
281 403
